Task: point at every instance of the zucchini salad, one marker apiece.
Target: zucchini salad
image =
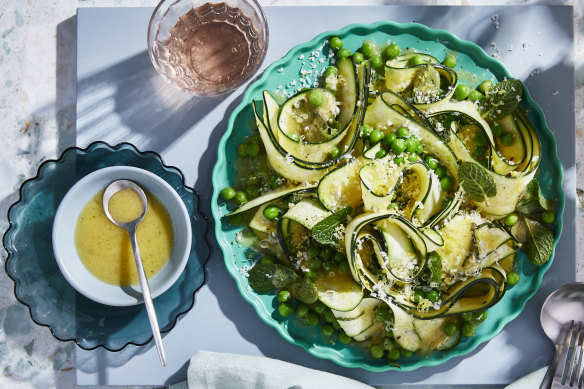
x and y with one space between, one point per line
389 199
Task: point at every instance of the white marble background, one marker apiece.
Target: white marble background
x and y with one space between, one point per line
35 125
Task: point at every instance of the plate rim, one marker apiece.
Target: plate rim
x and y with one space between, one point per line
476 53
11 230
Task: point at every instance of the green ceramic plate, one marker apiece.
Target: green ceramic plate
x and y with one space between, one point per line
298 69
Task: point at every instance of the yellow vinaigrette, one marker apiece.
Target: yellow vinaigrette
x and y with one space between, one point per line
105 248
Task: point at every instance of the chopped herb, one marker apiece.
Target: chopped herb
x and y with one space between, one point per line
502 99
476 182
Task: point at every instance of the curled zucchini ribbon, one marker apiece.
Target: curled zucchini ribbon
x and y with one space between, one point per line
399 257
299 136
511 166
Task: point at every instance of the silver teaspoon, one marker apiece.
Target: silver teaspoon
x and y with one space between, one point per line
130 226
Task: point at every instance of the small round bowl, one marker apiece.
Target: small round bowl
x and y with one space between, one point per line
205 48
64 236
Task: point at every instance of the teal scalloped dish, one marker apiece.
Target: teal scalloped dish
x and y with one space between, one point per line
284 75
39 284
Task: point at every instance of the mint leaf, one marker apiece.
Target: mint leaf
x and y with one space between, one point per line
532 200
476 182
304 291
265 277
537 239
502 99
323 231
435 266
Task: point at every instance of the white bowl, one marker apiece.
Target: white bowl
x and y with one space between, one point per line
64 236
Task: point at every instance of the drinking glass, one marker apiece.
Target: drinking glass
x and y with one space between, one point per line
206 48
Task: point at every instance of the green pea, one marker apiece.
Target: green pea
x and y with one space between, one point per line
240 197
513 278
344 267
475 95
431 162
311 319
449 61
548 217
406 353
418 296
399 160
343 337
393 354
468 330
242 150
294 136
511 219
268 259
336 43
507 139
275 182
398 146
403 132
325 253
480 139
330 71
312 274
336 325
343 53
466 316
335 152
329 316
376 351
461 92
481 316
446 183
328 266
257 160
412 145
418 60
319 307
388 139
382 314
285 309
312 251
327 330
388 344
486 86
376 61
420 148
413 157
228 193
432 295
358 57
316 97
261 171
366 131
375 136
392 50
256 139
479 152
380 153
253 149
497 130
284 296
339 257
252 191
314 264
302 310
449 328
368 49
441 171
271 212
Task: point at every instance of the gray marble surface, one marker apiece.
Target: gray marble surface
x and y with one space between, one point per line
37 122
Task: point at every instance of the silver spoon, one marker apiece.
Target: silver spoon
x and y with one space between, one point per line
130 226
558 310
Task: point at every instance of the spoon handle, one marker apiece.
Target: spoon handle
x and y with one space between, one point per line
147 298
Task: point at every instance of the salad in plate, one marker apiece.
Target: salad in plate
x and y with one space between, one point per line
389 199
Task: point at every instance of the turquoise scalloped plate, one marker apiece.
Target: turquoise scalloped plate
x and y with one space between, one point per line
38 282
284 74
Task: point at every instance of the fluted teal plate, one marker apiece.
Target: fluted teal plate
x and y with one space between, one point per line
38 282
473 66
